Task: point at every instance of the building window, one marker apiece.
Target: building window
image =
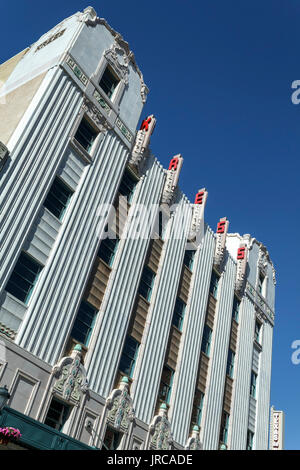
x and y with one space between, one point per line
206 340
146 284
58 414
112 439
86 134
129 355
109 82
84 323
166 384
107 250
127 185
250 437
162 223
197 408
230 363
224 427
257 331
24 278
178 313
189 259
236 309
261 283
253 384
58 198
213 288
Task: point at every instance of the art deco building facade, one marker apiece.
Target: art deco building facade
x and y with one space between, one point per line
158 335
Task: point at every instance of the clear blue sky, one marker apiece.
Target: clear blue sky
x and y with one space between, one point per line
220 77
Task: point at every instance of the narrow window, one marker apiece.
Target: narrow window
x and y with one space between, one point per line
84 323
250 437
213 288
107 250
127 185
236 309
58 414
224 428
166 384
206 340
58 198
112 439
129 355
197 408
257 331
230 363
146 284
24 278
189 259
86 134
109 82
261 283
178 314
253 384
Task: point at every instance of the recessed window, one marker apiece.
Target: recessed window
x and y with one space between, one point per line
178 314
261 283
257 331
206 340
166 384
129 355
189 259
58 198
230 363
127 185
224 427
235 309
24 278
58 414
253 384
84 323
86 134
111 439
146 284
107 250
214 282
250 437
197 407
109 82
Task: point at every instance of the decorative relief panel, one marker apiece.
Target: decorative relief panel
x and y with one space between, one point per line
198 212
242 255
172 179
142 140
160 437
193 442
120 412
77 71
71 381
92 111
222 230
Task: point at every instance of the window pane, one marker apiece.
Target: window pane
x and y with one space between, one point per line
189 258
129 356
58 198
57 414
108 82
23 277
108 249
145 287
127 185
213 289
84 323
178 313
206 340
86 135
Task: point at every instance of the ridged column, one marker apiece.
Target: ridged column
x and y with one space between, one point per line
148 381
263 393
188 368
241 391
218 361
110 334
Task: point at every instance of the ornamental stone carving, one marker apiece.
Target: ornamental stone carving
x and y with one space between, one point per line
160 430
142 141
116 56
242 255
172 179
193 442
71 381
198 213
222 230
92 111
120 409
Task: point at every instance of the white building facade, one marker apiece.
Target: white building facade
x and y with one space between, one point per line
157 336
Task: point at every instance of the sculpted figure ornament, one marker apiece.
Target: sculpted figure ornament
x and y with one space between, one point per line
120 409
193 442
71 381
160 430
